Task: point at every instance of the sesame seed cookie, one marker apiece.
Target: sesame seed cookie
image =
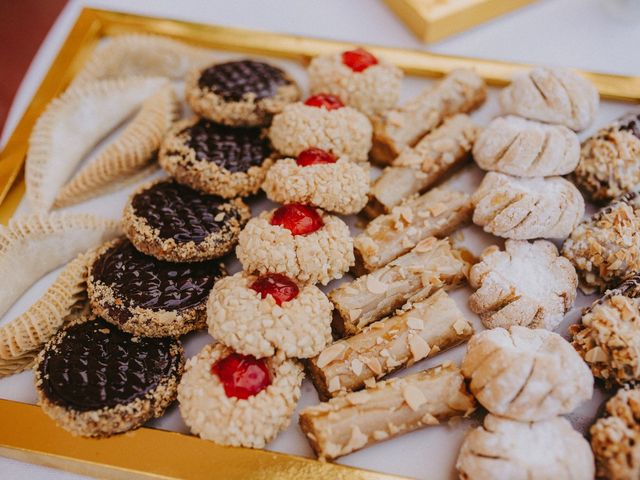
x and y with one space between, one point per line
240 93
216 407
216 159
94 380
174 223
320 253
260 315
361 80
148 297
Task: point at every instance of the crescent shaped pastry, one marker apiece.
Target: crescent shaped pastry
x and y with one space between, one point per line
33 245
72 125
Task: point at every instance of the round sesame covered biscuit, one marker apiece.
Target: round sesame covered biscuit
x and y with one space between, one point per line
215 410
240 93
174 223
216 159
252 320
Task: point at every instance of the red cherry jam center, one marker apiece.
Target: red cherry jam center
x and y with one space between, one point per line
314 156
324 100
242 376
359 59
279 286
299 219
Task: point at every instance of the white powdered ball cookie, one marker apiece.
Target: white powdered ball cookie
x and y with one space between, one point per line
505 449
526 148
552 95
527 208
527 284
526 375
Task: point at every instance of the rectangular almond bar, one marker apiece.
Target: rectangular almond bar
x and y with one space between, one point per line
437 213
428 327
431 265
461 91
351 422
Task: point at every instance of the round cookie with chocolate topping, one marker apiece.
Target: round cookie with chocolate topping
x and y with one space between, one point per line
299 241
216 159
238 400
95 380
175 223
240 93
148 297
259 315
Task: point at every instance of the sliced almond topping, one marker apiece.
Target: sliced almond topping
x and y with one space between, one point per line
355 313
407 215
356 366
329 354
460 326
332 449
219 217
374 365
370 382
425 245
334 384
596 355
357 440
429 419
414 397
358 398
376 286
415 323
411 231
419 347
385 353
380 435
438 208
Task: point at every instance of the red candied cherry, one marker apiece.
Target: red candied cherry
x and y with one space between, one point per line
299 219
324 100
242 376
279 286
359 59
314 156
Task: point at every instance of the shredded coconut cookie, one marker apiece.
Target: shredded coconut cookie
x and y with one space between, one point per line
526 375
526 148
372 91
226 420
527 284
339 187
605 249
552 95
527 208
320 256
610 160
504 449
241 319
343 131
615 439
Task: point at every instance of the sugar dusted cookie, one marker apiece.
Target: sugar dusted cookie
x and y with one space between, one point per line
527 208
361 80
238 400
527 284
259 315
299 241
526 375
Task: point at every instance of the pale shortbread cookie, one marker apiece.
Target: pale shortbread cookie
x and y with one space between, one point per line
605 248
610 160
339 187
527 208
320 256
526 148
342 132
527 284
251 422
505 449
615 439
525 374
552 95
372 91
240 318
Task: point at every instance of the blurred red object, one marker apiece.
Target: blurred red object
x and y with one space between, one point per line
25 24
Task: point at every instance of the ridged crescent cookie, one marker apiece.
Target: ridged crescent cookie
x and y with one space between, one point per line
33 245
72 125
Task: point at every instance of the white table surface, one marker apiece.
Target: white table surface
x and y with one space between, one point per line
598 35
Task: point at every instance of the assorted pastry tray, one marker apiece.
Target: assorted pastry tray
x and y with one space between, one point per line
394 270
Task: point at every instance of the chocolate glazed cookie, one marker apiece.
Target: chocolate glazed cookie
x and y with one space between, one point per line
175 223
216 159
95 380
148 297
240 93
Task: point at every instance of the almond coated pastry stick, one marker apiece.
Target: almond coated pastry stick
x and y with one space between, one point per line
437 213
460 91
431 265
428 327
350 422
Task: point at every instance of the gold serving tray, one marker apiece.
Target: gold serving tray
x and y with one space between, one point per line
29 435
